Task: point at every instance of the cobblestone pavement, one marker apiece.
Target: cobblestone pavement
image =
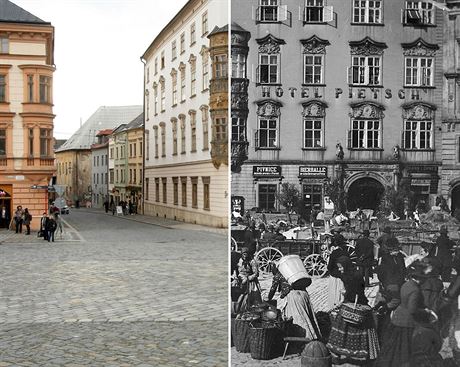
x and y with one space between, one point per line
118 293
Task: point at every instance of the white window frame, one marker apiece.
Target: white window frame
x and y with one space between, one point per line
192 34
155 99
204 23
174 89
424 9
365 133
173 50
316 11
317 133
364 70
192 78
367 14
314 68
270 66
182 85
162 96
271 140
205 72
238 65
413 134
182 42
271 11
418 71
238 128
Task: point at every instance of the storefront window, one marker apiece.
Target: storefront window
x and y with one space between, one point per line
312 195
267 196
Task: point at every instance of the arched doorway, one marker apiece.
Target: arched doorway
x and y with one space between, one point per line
364 193
5 202
455 198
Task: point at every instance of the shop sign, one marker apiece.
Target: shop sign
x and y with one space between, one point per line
423 169
312 171
420 182
266 171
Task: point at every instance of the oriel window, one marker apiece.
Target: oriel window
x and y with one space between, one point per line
220 63
2 142
45 89
30 88
238 66
45 142
2 88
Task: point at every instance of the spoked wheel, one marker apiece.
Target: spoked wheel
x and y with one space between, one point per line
351 252
315 265
266 257
234 244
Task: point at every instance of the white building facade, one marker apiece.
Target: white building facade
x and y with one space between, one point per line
180 180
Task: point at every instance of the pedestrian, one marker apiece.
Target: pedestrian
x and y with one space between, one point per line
58 219
43 232
50 228
355 342
443 252
4 218
248 274
27 218
426 342
431 285
269 235
397 341
250 240
386 240
106 206
335 284
18 218
130 207
279 284
364 250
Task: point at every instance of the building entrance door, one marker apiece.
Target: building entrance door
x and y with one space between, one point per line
455 198
5 202
364 193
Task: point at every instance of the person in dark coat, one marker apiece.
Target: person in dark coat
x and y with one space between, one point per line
43 221
432 285
387 240
50 228
443 252
335 283
337 239
391 268
250 240
364 250
426 342
269 234
397 342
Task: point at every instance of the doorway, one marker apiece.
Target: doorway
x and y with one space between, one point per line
5 201
455 196
364 193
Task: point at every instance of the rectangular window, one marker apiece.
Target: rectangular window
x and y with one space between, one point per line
176 190
156 65
204 119
367 11
238 66
221 66
267 196
192 34
238 129
419 71
193 133
134 176
45 142
173 49
205 69
184 190
206 193
4 45
2 142
314 11
418 135
157 190
268 11
365 134
365 70
156 142
31 143
182 43
155 100
312 196
30 88
174 89
2 88
163 141
162 60
134 150
220 129
146 189
111 175
164 182
204 23
45 89
268 69
182 85
163 97
313 69
147 145
194 192
192 78
313 133
418 13
267 135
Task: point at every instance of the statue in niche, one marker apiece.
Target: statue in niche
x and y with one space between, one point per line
339 151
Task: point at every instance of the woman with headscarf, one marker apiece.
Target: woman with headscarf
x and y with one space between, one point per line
348 342
335 284
397 342
248 273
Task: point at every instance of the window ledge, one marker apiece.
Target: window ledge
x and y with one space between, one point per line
268 21
174 105
193 151
319 148
205 90
191 44
207 209
420 86
365 85
313 85
204 34
205 149
182 101
195 206
368 24
265 148
182 152
367 149
268 84
313 23
419 25
417 150
193 95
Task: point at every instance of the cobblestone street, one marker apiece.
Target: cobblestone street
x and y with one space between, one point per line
114 292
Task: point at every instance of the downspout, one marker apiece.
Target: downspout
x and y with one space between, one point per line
143 140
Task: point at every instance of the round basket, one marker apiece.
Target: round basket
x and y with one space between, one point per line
261 342
241 337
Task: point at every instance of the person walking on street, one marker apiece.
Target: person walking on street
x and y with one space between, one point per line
50 227
365 254
386 241
27 219
43 233
58 219
443 252
18 218
106 206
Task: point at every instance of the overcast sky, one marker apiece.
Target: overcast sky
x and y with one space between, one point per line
98 44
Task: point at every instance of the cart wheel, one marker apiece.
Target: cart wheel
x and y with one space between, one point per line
234 244
266 257
351 252
315 265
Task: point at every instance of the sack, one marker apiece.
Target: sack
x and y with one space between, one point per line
352 313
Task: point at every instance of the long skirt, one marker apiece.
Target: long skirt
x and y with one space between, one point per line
353 343
335 292
251 296
299 307
396 347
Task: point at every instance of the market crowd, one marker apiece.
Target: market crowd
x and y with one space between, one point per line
414 311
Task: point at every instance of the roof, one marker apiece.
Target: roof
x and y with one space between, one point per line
11 13
104 132
216 30
136 123
105 117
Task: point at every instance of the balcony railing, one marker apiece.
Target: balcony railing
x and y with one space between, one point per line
46 161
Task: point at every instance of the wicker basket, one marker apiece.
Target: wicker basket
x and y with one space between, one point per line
241 337
261 341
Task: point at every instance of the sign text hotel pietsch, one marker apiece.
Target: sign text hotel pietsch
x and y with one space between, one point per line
352 92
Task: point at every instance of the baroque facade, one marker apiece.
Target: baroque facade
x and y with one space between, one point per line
338 92
99 169
26 110
186 173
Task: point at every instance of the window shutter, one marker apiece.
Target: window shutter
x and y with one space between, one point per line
256 138
300 13
253 14
403 16
348 138
328 14
350 75
403 140
282 13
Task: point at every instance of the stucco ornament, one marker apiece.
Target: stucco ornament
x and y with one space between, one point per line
313 109
367 110
268 109
270 44
367 47
314 45
419 48
418 112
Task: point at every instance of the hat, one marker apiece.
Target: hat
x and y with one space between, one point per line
366 232
387 229
443 230
244 250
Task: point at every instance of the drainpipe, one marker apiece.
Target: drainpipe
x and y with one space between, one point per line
143 140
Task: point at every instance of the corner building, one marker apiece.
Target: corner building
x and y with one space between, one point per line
322 77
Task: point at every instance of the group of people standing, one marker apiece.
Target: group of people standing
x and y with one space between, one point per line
22 216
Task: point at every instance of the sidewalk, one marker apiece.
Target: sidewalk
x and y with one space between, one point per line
161 222
10 236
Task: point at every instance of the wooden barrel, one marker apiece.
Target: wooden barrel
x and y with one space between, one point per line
315 354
